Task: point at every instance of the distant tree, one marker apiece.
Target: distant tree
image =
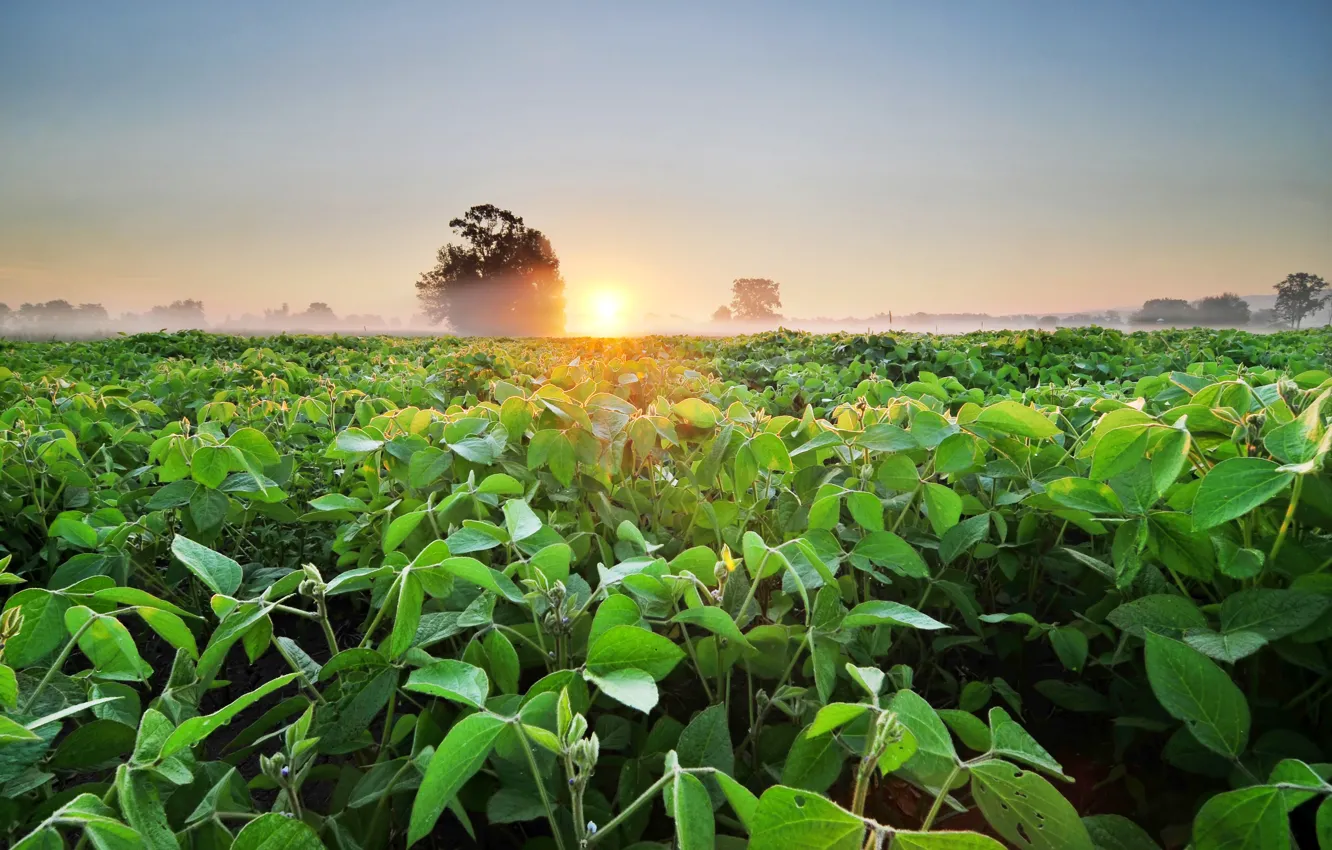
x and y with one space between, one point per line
317 315
755 298
279 317
1299 295
1048 320
503 279
1264 318
187 313
1226 309
721 314
363 320
91 313
1173 311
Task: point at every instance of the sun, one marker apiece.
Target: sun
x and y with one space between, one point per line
607 312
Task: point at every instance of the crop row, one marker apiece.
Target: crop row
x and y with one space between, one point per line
790 590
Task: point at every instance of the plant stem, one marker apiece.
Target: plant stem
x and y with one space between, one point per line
57 664
629 810
541 786
763 712
388 727
1290 515
938 800
905 509
693 656
328 628
527 640
866 768
287 609
379 615
575 797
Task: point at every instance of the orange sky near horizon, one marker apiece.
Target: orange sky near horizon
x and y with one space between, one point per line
970 158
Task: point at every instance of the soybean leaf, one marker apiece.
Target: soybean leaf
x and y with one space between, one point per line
944 507
706 741
630 646
888 550
1193 689
196 729
407 613
217 571
1225 646
273 831
883 613
1012 417
452 680
1008 738
171 628
140 803
458 757
1116 832
470 569
944 840
1270 612
1025 809
866 510
834 715
961 537
108 644
504 665
630 686
1080 494
695 828
813 762
935 755
1234 487
1248 819
792 819
742 800
714 620
92 744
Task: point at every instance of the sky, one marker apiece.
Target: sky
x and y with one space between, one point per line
1016 156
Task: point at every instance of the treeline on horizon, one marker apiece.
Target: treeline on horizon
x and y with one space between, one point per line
502 278
62 318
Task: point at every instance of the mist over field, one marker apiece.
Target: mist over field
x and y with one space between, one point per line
64 320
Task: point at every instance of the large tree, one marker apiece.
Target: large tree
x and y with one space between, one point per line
755 298
1227 309
502 279
1175 311
1299 295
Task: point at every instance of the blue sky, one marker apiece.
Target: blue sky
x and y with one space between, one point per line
996 156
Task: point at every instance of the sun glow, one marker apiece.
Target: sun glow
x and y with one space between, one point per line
607 312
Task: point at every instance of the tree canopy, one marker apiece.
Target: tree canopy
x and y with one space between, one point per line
755 298
502 279
1224 309
1168 310
1299 295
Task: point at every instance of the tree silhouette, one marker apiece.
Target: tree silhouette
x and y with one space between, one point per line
317 315
721 314
1299 295
755 298
1225 309
1169 310
503 279
187 313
